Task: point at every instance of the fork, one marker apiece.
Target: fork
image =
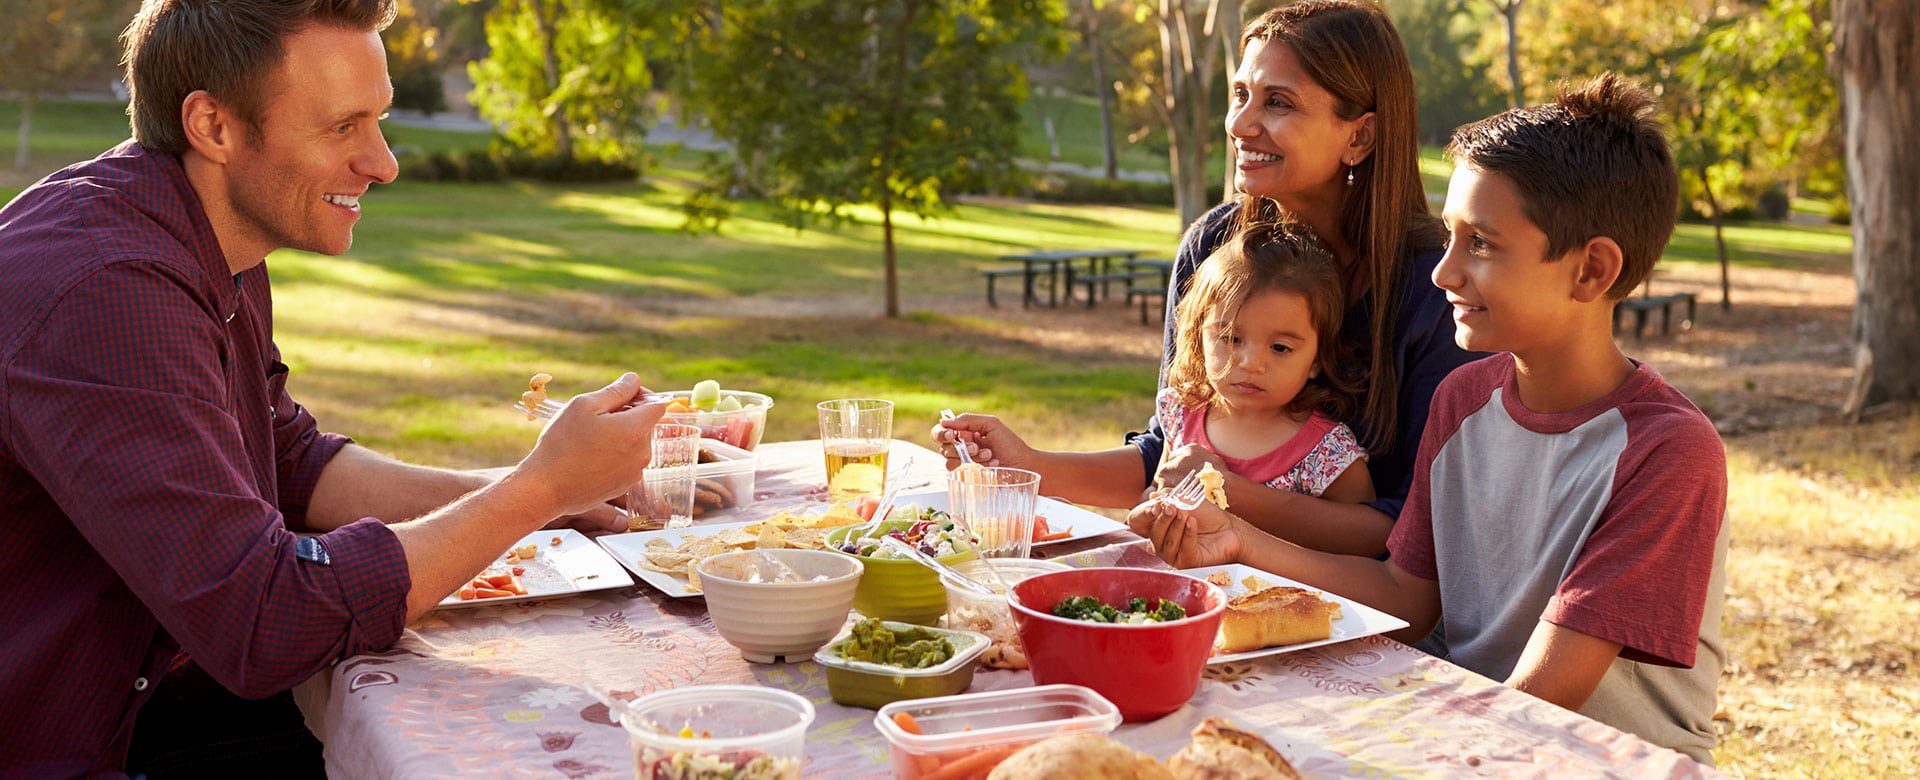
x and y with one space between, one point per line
1188 494
545 411
959 446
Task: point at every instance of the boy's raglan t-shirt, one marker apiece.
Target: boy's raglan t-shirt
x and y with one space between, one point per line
1607 520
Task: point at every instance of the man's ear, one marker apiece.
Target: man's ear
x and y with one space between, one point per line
212 129
1360 144
1599 267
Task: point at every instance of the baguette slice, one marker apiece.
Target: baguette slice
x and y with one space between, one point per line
1275 616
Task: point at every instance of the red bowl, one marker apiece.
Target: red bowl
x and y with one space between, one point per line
1146 669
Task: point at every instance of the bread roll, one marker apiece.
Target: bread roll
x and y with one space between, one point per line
1079 755
1221 752
1275 616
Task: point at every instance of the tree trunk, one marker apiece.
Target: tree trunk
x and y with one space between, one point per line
1880 113
544 13
886 229
1719 238
1510 9
1187 70
1103 89
886 158
26 127
1227 28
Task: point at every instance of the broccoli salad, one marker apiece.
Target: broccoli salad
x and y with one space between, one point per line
1138 610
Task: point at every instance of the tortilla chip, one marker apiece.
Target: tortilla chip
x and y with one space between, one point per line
771 537
1255 584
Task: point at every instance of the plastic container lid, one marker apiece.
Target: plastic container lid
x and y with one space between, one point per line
978 720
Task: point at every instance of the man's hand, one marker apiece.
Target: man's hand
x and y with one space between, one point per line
594 449
1204 536
989 442
1179 463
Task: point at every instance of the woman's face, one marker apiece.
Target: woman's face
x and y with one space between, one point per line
1293 147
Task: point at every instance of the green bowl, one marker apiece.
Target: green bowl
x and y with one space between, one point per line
896 588
873 686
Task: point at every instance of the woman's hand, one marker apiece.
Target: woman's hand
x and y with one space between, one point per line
1204 536
989 442
1177 464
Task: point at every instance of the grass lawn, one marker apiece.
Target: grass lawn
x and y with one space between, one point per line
416 341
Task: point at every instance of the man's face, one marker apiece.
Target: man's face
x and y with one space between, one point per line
297 182
1507 294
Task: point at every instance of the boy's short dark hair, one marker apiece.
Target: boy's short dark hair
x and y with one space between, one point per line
226 47
1591 163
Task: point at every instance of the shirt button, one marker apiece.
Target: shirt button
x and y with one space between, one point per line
139 683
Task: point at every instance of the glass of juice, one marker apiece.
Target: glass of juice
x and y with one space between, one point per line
855 432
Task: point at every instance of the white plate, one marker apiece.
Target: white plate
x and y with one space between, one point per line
626 548
1083 524
1356 619
575 565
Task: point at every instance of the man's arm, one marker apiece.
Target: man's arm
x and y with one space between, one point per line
1563 666
358 482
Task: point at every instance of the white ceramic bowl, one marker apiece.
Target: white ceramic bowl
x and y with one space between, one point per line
775 622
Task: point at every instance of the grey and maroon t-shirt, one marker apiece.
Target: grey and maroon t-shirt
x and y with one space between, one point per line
1607 520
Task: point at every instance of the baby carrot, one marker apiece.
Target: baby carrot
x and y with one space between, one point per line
907 723
975 765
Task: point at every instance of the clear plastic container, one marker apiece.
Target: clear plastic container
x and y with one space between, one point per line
971 611
723 480
747 728
997 723
870 685
741 428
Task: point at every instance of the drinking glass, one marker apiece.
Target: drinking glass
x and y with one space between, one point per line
997 503
664 497
855 433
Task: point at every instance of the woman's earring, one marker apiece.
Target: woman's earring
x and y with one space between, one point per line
1349 175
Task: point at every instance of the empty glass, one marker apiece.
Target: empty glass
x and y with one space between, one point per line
998 504
664 498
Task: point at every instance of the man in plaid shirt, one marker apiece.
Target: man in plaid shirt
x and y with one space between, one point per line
153 469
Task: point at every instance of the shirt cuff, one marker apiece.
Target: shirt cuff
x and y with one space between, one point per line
1639 641
296 490
371 568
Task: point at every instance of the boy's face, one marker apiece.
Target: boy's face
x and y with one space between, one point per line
1507 295
1261 359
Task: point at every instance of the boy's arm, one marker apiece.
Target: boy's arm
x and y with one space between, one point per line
1563 666
1211 535
1327 522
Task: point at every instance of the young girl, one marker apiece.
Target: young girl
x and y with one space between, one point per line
1256 379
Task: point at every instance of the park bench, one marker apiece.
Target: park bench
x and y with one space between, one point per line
993 274
1100 281
1643 306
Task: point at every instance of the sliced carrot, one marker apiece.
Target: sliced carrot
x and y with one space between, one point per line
1054 537
907 723
490 593
975 765
500 581
468 593
517 588
1040 527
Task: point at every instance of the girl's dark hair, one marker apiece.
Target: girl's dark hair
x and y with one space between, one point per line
227 47
1265 257
1351 49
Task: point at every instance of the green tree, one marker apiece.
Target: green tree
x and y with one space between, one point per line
895 103
567 78
413 60
1451 83
47 44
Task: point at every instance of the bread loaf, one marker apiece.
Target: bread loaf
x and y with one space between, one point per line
1275 616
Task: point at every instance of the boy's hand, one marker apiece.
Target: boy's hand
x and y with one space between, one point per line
1205 536
989 442
1187 459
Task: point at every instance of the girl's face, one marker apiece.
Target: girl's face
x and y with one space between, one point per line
1293 146
1258 361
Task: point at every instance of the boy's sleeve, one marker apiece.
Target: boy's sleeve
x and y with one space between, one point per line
1410 546
1642 578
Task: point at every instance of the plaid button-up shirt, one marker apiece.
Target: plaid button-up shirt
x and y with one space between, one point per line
152 470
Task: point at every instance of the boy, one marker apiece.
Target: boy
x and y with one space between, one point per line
1565 523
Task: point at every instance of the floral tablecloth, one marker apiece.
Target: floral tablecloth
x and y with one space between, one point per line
502 691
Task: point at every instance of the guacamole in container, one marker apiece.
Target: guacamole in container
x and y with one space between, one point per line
881 661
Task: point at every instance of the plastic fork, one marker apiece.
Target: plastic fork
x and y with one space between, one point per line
1188 494
545 411
959 446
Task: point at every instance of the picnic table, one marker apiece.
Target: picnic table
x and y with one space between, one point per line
502 691
1053 265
